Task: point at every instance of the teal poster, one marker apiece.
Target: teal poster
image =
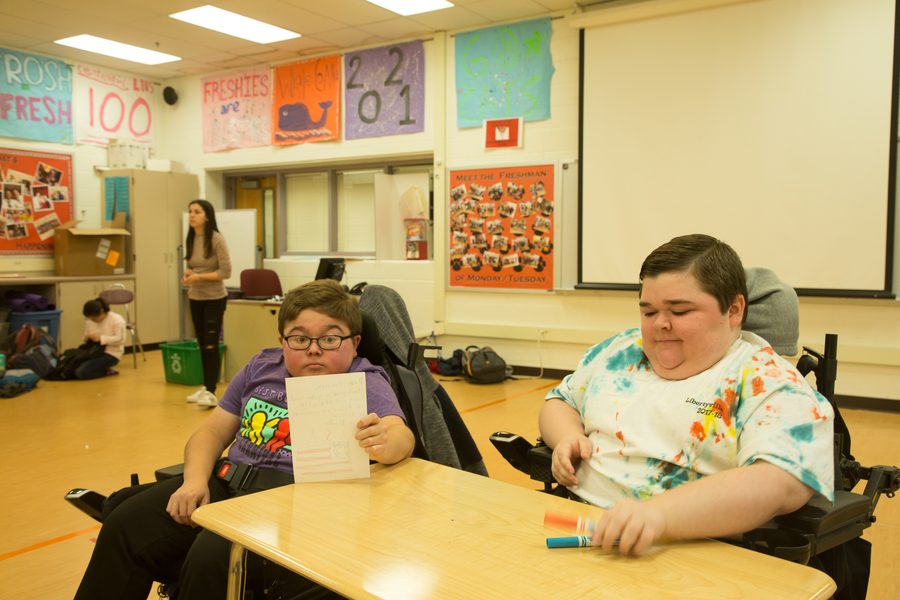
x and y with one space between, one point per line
502 72
35 97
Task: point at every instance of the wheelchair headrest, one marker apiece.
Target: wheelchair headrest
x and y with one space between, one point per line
371 346
773 311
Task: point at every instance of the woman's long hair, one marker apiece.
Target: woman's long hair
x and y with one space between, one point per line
208 230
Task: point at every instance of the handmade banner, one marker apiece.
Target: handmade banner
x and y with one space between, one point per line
36 199
306 106
35 97
502 72
501 227
385 91
237 109
111 105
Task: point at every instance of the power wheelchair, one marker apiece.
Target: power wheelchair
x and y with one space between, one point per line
422 400
819 534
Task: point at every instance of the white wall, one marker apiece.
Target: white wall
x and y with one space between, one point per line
527 328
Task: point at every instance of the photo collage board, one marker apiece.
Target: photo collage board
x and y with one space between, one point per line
36 199
501 227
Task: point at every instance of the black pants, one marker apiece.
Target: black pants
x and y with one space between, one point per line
207 316
139 543
96 367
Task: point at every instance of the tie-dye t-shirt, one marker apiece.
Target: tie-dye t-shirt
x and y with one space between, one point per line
651 434
257 396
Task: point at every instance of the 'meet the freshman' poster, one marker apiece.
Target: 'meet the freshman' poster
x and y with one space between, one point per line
501 227
306 106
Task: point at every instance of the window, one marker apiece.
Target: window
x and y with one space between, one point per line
326 210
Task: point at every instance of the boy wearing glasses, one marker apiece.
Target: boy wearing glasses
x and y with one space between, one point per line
150 536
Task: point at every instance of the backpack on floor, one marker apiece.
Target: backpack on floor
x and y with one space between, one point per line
30 348
483 365
73 358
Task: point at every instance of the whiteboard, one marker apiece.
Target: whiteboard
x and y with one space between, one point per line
238 226
766 124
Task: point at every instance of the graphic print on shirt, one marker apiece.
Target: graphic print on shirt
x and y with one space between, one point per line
265 431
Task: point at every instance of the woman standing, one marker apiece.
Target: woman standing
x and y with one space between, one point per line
208 266
107 329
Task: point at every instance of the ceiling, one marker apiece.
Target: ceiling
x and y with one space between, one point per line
326 26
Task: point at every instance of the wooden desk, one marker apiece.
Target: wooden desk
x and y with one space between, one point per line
421 530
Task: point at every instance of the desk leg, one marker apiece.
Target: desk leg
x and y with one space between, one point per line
236 572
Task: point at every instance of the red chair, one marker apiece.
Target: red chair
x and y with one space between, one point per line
259 284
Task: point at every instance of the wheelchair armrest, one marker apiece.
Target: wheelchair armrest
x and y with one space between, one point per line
531 459
169 472
826 525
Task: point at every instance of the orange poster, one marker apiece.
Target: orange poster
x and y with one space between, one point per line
501 227
36 199
306 105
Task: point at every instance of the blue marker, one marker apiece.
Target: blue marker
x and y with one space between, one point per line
569 541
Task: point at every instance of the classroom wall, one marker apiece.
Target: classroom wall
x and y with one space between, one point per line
535 329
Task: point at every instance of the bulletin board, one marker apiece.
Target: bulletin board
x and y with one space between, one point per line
36 199
501 227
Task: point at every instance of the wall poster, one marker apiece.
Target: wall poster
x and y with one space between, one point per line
35 97
384 91
36 199
237 109
113 106
306 106
501 227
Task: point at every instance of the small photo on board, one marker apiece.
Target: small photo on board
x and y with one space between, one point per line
12 195
458 192
16 231
47 174
46 225
59 194
13 176
40 197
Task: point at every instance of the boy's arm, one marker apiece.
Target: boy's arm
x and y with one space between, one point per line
201 452
562 430
387 440
729 502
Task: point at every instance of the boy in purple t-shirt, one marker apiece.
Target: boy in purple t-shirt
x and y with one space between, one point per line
150 536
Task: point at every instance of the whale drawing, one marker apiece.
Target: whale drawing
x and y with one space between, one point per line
296 117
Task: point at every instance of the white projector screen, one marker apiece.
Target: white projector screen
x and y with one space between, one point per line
767 124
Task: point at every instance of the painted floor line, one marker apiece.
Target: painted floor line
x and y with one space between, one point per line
504 399
45 543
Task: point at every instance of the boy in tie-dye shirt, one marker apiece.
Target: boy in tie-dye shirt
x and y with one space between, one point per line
688 427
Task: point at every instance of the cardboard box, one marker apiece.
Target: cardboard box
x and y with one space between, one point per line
90 251
161 164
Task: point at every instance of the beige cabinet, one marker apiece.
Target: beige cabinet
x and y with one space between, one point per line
71 296
155 202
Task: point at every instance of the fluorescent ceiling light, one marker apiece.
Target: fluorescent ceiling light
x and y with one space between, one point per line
99 45
230 23
412 7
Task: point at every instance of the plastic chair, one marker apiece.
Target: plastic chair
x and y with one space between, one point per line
119 294
259 284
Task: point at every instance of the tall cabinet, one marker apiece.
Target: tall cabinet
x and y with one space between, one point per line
153 202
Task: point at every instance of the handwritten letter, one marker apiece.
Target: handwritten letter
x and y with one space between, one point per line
323 411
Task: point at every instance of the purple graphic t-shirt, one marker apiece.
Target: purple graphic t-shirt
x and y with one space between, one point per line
257 396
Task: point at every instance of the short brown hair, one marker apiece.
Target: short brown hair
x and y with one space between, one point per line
325 296
714 264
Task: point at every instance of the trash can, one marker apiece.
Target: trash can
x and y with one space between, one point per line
181 360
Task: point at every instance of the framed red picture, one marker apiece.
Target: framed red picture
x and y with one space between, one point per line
503 133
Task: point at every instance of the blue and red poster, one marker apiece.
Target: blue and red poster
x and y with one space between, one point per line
35 97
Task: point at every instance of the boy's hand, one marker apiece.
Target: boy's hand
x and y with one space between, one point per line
635 524
185 500
567 455
372 435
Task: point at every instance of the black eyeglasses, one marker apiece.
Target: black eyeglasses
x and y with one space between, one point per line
325 342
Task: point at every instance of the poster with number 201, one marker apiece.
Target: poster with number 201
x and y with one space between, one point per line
384 91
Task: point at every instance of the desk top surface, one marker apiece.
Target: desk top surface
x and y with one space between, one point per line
421 530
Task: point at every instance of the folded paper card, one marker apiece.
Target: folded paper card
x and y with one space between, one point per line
323 412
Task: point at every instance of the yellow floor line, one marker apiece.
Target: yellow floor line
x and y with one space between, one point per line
502 400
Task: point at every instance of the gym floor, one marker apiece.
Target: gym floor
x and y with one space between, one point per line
95 433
